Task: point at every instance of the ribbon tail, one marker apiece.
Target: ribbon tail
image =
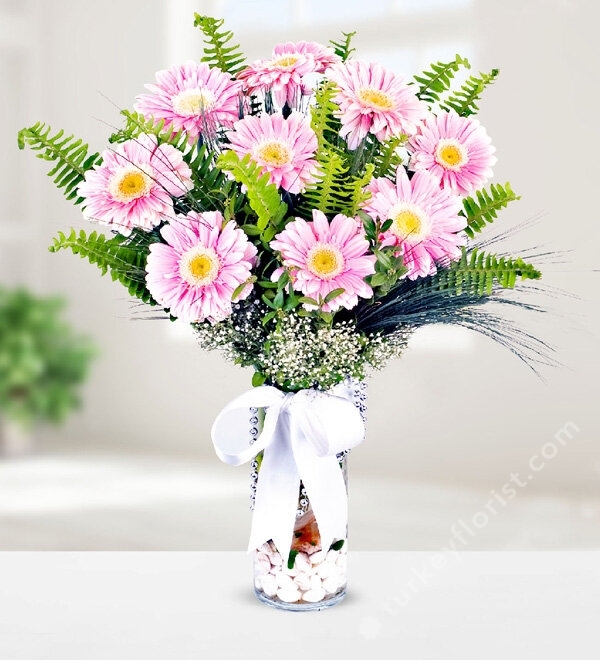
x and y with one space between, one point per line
326 489
277 490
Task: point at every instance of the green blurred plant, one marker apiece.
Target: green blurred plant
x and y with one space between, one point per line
42 360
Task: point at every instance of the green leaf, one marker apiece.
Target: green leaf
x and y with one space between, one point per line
464 100
258 379
292 559
305 300
218 51
477 272
337 545
263 196
123 257
484 207
342 48
69 155
437 79
333 294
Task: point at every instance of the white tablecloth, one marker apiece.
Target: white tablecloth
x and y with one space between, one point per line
401 605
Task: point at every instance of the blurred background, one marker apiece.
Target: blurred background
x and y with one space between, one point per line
447 424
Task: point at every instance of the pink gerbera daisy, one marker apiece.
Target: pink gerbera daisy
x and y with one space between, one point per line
202 263
374 100
284 148
322 56
456 150
323 256
135 185
192 97
282 75
425 220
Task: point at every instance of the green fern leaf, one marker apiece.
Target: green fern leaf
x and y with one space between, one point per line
218 52
464 100
263 196
485 206
70 156
342 48
387 159
123 257
477 272
437 79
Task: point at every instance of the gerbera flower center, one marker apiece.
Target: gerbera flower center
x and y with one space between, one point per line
375 99
193 102
274 153
129 183
285 60
199 266
409 223
325 261
451 154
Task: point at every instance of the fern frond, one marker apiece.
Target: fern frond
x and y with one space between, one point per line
342 47
485 206
464 100
335 190
123 257
323 121
436 80
69 154
263 196
477 272
218 52
387 159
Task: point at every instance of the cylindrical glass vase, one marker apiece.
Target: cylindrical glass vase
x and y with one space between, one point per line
311 577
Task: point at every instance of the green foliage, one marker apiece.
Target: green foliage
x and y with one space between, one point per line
477 272
485 206
335 191
42 361
464 100
123 257
263 196
323 120
218 52
386 159
342 47
70 156
436 80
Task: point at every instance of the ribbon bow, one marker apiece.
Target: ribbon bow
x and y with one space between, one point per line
302 433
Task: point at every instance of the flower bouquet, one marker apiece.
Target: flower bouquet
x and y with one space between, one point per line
305 214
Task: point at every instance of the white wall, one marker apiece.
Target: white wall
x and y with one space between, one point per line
463 412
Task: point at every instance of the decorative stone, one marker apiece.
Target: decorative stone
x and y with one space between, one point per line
276 559
284 581
333 583
290 571
317 557
289 595
269 585
327 569
314 595
315 582
342 562
263 565
332 555
302 581
302 562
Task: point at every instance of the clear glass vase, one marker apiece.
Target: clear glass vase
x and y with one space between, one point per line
310 577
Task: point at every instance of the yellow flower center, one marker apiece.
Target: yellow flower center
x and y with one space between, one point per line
199 266
409 223
129 183
451 154
285 60
375 99
193 102
325 261
274 153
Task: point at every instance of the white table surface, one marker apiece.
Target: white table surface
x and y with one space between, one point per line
191 605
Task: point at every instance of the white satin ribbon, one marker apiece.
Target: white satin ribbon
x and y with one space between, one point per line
302 433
